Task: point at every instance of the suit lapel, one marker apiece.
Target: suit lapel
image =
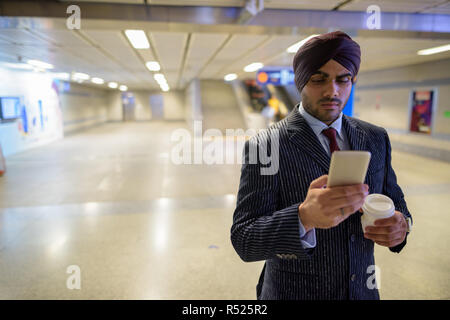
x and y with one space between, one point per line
302 136
356 137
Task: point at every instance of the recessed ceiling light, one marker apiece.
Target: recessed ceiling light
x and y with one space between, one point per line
40 64
164 87
80 76
434 50
159 77
253 67
294 48
230 77
153 66
138 39
61 75
113 85
123 88
98 80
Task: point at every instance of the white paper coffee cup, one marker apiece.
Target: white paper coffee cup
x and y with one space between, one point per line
376 206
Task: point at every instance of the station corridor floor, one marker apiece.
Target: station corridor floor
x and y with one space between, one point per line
110 201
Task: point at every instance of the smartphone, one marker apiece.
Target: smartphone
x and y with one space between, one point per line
348 167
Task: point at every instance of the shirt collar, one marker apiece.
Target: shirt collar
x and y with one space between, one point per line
317 125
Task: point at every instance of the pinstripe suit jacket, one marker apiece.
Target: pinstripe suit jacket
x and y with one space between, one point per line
266 223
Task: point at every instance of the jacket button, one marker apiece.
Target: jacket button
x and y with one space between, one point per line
353 277
352 238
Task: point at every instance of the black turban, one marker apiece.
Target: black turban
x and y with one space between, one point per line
319 50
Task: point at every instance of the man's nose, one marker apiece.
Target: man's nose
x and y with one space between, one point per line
331 89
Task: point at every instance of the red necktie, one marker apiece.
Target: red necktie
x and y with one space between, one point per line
331 135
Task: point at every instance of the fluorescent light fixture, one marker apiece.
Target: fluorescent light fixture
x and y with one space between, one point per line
20 66
253 67
98 80
113 85
80 76
159 77
61 76
434 50
294 48
153 66
138 39
39 64
123 88
164 87
230 77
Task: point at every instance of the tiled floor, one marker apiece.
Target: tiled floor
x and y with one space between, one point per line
110 201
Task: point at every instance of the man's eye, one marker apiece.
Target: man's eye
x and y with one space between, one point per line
344 80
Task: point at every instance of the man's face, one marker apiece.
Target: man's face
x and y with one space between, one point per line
327 91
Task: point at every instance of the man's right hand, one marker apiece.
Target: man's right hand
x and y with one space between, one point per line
322 206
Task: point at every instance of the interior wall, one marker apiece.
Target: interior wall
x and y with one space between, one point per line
193 103
40 120
51 108
219 106
382 97
83 107
173 100
174 105
115 112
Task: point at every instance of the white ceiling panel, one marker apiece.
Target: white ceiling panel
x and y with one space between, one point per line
384 53
26 51
144 76
105 38
94 57
63 38
270 49
146 54
213 71
171 77
116 45
169 48
20 36
202 47
128 59
238 44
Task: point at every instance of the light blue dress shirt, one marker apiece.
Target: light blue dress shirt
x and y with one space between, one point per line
308 239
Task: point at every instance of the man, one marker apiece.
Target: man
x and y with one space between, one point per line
310 235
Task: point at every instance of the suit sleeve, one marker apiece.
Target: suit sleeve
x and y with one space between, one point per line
260 231
393 190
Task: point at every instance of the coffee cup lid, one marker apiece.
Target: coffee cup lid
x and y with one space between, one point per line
379 204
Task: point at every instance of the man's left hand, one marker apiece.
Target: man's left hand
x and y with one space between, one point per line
388 232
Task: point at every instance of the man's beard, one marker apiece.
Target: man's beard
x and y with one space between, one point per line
315 112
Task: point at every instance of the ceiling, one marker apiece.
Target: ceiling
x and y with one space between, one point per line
206 54
419 6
